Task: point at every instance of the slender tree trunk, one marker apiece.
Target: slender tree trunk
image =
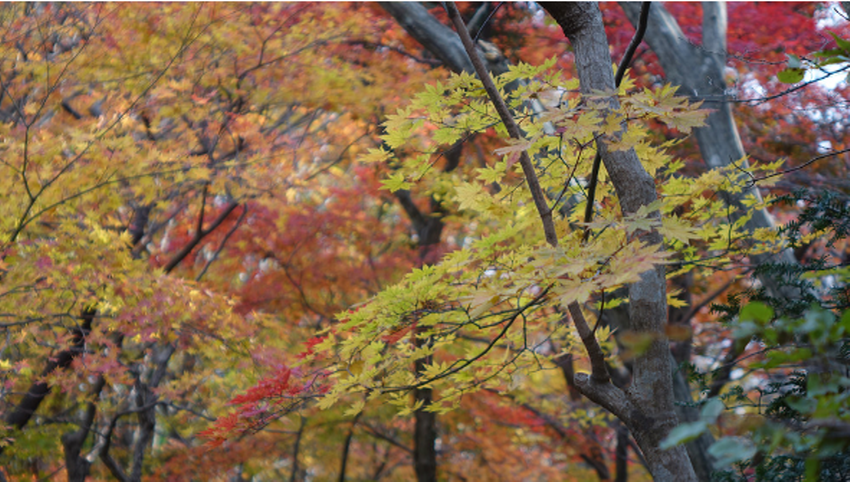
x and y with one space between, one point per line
76 465
425 433
429 229
621 454
346 447
293 475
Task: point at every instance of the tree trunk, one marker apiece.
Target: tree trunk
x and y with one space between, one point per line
440 40
424 434
647 407
699 73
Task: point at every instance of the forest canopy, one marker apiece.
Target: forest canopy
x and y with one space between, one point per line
430 241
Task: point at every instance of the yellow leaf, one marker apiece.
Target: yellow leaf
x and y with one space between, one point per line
673 227
355 409
327 401
675 302
486 302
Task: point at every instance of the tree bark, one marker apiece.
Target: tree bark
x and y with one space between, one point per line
424 433
437 38
647 407
621 454
699 73
77 466
440 40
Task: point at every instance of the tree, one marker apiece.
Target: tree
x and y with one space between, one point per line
218 228
651 414
96 250
410 313
648 317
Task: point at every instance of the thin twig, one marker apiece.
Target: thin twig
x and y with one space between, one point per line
223 242
801 166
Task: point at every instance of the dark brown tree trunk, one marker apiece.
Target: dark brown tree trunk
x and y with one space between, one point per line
621 455
36 393
425 433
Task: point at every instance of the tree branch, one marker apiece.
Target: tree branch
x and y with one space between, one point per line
433 35
200 233
513 130
223 242
293 476
346 446
600 371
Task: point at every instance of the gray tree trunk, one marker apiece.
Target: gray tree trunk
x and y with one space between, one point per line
646 407
698 70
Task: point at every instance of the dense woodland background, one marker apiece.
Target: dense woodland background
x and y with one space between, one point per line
285 241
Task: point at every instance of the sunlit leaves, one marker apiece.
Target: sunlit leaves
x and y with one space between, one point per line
506 277
179 112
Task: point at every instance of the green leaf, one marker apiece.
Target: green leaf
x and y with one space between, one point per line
711 410
845 321
683 433
794 62
843 44
828 53
838 59
778 358
730 450
790 76
745 329
812 469
757 311
395 182
804 405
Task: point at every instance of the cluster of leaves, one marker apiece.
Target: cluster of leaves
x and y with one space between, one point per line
145 188
507 288
801 348
796 69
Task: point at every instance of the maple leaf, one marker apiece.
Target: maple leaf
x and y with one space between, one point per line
395 182
673 227
469 196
